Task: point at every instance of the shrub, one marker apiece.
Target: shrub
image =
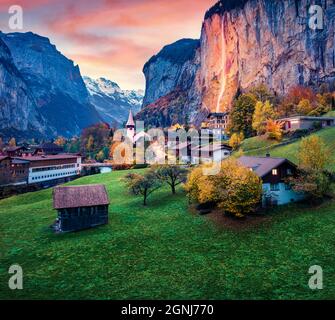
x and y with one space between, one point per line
235 189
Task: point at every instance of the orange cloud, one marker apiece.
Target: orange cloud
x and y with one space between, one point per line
118 35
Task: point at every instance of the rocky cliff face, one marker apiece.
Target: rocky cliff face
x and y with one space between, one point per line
54 82
171 84
18 114
113 103
246 42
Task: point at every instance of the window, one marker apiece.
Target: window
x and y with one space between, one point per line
275 172
289 172
274 187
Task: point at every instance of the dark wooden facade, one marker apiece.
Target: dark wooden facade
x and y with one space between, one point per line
80 207
81 218
280 173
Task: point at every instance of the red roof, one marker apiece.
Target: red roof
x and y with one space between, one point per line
80 196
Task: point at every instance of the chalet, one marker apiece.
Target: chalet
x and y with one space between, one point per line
273 172
306 123
48 148
80 207
14 151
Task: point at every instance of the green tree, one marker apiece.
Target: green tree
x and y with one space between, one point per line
242 114
173 175
143 185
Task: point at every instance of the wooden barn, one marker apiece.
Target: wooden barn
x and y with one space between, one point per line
80 207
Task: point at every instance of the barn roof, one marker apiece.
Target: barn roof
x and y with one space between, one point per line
79 196
262 165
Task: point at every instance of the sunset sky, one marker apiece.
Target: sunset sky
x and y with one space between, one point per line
111 38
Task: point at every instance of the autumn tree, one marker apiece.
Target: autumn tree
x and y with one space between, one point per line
242 114
12 142
173 175
263 112
262 93
94 138
236 140
274 130
296 94
313 179
313 154
235 189
60 141
143 185
304 107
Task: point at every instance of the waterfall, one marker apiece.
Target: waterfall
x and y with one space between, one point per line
223 78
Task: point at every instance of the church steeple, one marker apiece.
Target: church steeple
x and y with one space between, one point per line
130 124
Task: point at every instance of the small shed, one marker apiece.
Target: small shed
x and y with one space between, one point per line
80 207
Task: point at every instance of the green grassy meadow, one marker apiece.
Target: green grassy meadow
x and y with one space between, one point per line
258 146
164 251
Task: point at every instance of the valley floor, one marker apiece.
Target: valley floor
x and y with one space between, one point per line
164 251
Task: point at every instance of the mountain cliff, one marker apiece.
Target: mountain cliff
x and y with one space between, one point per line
18 114
171 91
111 102
54 82
243 43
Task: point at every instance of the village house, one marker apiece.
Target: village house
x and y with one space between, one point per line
215 152
16 151
273 172
45 168
13 171
48 148
80 207
306 123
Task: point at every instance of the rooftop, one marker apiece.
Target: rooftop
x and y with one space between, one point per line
262 165
80 196
307 118
49 157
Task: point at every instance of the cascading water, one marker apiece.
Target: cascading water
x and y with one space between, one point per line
222 77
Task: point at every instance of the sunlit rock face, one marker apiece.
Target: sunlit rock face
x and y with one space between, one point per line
263 41
18 114
244 43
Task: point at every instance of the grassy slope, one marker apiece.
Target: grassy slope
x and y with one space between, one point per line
163 251
290 151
